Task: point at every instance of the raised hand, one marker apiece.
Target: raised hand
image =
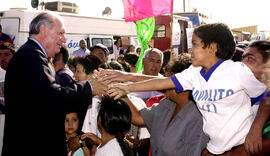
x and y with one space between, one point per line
99 88
112 76
118 90
92 137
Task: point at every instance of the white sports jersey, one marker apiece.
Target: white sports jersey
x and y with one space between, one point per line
223 97
111 148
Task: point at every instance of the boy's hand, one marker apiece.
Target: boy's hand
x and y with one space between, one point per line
99 88
111 76
73 143
118 90
91 136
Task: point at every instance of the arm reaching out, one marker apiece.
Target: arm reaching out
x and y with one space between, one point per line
253 141
159 83
136 116
110 76
99 88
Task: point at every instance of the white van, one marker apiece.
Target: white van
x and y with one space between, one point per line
94 30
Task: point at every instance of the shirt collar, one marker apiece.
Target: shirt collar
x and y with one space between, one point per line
43 50
211 70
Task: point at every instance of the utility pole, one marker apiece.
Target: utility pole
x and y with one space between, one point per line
184 5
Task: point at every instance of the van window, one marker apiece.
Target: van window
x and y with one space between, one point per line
160 31
105 41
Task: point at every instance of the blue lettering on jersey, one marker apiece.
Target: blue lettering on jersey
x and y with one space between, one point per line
209 108
211 94
215 95
196 93
205 95
220 93
201 95
229 92
215 108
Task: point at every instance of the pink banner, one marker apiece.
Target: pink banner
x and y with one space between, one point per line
135 10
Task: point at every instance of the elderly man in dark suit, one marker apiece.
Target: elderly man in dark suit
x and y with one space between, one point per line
35 103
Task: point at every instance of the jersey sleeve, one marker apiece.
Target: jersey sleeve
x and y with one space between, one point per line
183 80
252 86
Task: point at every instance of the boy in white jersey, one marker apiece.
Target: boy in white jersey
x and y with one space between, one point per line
221 88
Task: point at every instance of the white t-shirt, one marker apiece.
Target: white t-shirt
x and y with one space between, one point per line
2 74
223 97
90 121
116 52
111 148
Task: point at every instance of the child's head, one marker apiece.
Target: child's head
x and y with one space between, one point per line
114 116
71 123
221 35
72 63
179 64
86 66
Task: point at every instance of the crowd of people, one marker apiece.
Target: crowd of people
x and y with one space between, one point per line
213 100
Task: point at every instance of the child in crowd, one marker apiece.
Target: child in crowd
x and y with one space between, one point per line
72 130
221 88
85 67
114 120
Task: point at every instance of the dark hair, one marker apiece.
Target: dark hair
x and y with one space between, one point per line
166 58
112 65
220 34
238 54
116 65
123 62
64 52
8 46
115 116
131 58
40 19
182 62
72 62
118 39
128 49
90 63
138 50
263 47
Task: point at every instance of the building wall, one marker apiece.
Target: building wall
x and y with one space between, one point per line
244 33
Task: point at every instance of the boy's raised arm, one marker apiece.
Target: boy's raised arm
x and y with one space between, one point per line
160 83
111 76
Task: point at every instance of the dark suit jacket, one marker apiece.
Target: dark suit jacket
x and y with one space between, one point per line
36 105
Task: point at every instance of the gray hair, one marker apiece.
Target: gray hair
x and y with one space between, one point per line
155 50
42 18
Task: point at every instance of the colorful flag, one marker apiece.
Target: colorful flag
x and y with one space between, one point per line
145 30
135 10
